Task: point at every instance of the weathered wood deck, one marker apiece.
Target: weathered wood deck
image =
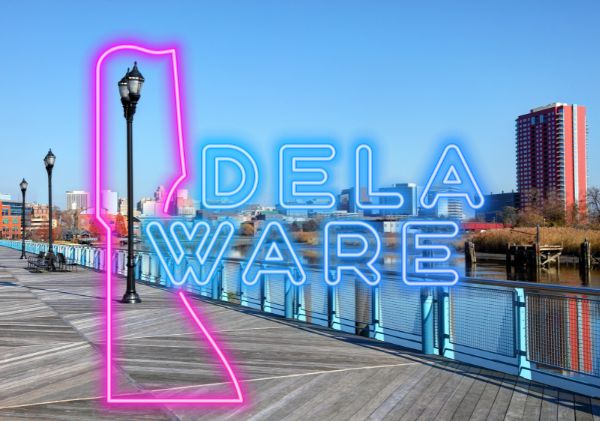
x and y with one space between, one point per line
51 357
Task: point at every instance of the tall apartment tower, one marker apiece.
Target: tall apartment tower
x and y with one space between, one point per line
77 200
552 156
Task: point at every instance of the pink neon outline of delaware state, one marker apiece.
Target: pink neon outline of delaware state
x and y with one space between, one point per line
141 399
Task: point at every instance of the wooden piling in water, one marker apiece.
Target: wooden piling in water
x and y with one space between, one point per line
470 256
530 259
508 260
585 261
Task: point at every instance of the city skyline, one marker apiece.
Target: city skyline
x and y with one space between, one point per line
242 87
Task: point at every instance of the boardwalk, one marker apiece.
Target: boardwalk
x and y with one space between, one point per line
51 359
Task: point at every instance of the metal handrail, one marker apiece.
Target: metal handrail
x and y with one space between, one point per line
463 280
555 288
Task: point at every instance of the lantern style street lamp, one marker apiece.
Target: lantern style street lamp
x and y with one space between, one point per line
130 87
23 186
49 160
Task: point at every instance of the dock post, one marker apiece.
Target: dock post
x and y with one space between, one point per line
585 261
518 258
537 254
533 262
470 256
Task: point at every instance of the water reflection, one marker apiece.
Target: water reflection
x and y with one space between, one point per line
567 274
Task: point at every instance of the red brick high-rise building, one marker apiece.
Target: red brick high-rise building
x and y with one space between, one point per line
551 151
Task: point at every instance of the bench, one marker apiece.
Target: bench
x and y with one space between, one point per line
64 264
34 261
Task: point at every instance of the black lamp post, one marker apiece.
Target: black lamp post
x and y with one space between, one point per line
23 186
129 89
49 160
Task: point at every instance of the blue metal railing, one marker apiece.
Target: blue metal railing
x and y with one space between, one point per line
546 333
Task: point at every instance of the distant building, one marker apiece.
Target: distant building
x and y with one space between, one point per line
347 200
110 202
122 206
408 192
495 204
184 206
160 193
39 218
140 204
39 215
551 143
151 208
445 207
451 208
292 213
10 220
77 200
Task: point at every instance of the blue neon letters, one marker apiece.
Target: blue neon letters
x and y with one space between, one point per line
345 260
214 159
350 247
164 248
451 163
445 230
269 241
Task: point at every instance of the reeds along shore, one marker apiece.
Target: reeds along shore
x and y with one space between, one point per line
495 241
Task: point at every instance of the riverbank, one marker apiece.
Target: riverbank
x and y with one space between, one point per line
495 241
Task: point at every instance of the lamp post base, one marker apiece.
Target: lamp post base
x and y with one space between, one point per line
131 298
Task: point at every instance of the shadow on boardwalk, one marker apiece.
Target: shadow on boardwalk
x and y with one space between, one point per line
51 361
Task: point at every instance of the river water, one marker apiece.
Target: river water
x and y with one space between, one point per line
567 274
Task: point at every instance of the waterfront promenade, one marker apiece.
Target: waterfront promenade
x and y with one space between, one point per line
51 339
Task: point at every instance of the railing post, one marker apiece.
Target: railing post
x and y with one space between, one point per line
216 284
427 330
171 264
377 330
149 276
333 321
224 293
299 311
243 299
138 267
289 299
521 329
443 321
263 294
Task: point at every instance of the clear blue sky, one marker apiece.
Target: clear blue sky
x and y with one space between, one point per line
404 74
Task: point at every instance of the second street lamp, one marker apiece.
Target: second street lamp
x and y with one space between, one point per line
129 89
23 186
49 160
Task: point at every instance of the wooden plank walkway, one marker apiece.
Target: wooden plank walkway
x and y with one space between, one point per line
51 357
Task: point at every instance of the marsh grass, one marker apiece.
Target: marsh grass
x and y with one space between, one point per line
495 241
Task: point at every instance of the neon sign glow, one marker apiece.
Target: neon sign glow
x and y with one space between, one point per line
303 176
98 139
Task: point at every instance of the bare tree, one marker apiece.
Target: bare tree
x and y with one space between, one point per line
593 197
